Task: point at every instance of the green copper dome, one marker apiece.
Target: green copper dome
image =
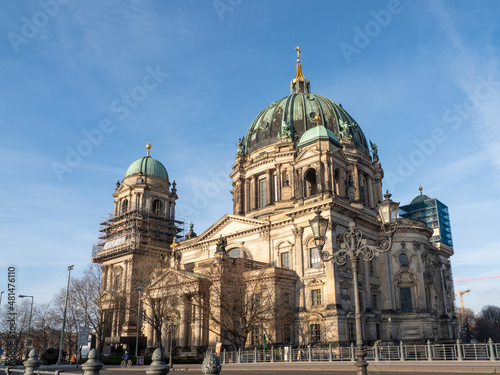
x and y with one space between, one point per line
149 166
318 132
420 198
297 112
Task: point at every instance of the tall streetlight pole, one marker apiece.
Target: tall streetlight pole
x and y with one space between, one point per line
138 324
29 323
172 322
355 247
59 360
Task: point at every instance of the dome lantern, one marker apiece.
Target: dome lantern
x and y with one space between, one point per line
300 84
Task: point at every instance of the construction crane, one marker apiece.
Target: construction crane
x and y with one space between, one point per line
474 279
461 294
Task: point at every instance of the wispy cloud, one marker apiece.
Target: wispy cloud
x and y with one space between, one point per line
466 68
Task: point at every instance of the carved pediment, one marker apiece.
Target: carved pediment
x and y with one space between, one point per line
405 277
230 225
315 282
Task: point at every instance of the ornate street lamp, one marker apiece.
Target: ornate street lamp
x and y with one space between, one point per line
29 323
172 327
388 211
319 225
355 247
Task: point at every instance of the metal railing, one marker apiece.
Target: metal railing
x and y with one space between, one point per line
430 352
91 367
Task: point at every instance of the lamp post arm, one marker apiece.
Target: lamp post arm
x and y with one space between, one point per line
353 244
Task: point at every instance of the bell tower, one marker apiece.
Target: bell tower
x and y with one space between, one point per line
142 226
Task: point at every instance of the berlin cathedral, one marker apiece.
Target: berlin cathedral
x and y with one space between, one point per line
258 270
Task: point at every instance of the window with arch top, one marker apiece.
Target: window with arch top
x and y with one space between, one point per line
124 206
314 258
403 260
157 207
310 183
237 253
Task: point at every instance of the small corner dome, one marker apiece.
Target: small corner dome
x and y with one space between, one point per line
318 133
149 166
420 198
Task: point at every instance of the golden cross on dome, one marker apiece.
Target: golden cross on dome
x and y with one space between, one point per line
298 53
148 146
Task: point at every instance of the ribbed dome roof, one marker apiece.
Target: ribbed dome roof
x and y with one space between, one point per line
318 132
420 198
148 166
298 110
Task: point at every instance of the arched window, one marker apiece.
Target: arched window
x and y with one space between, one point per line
310 183
285 260
363 190
403 260
337 183
157 207
237 253
314 258
262 189
125 205
118 281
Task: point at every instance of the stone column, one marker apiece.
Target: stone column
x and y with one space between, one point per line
255 192
319 177
355 177
269 189
292 182
149 334
278 182
369 182
167 208
378 194
173 210
328 175
183 322
247 195
198 341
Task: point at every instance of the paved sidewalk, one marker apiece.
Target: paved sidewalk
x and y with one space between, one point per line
464 367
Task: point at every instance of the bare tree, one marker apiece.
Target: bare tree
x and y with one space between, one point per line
467 322
46 328
84 294
14 328
160 291
75 317
241 300
488 324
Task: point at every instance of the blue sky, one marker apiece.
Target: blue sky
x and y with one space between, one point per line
86 84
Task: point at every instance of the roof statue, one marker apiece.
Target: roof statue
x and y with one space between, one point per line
240 148
374 148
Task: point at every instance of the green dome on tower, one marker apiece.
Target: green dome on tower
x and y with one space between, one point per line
147 165
318 132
